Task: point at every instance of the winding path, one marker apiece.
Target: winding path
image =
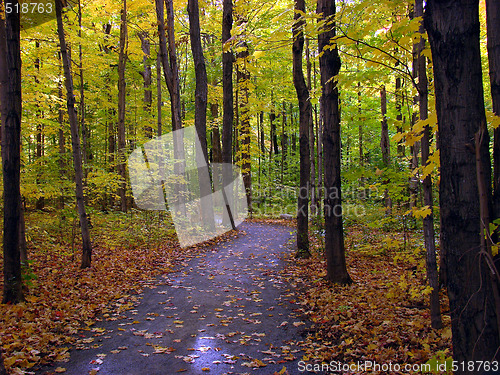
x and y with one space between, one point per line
227 311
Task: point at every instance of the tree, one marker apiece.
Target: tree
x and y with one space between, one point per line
493 26
428 221
329 63
75 141
227 92
122 95
305 111
453 29
11 111
200 116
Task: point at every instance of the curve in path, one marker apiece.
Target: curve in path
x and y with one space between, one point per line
227 311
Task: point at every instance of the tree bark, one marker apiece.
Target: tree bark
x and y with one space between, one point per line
147 78
200 116
329 63
428 221
227 93
3 371
159 99
453 29
305 119
11 112
122 85
175 94
493 33
75 141
243 78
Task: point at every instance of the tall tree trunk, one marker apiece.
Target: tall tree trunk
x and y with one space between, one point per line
40 202
147 78
399 115
453 29
11 112
75 141
83 124
329 63
493 31
122 61
159 100
305 119
200 116
61 137
175 94
428 221
3 371
243 78
384 144
227 93
312 173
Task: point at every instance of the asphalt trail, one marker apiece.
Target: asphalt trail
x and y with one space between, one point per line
227 311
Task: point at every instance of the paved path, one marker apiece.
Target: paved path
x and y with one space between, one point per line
228 311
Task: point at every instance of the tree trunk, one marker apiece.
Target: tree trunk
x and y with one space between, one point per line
385 145
175 94
200 116
243 78
159 100
122 61
11 111
312 161
61 138
453 29
428 221
493 31
75 141
329 63
3 371
305 119
83 124
399 116
147 78
227 93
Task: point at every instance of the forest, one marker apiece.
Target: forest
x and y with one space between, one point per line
367 131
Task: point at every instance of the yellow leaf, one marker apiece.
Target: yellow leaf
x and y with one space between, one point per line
494 250
60 370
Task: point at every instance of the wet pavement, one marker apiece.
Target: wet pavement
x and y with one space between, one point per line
229 310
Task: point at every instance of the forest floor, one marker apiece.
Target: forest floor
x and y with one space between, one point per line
241 304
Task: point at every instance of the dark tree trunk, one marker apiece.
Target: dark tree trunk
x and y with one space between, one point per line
86 153
428 221
159 100
75 141
453 29
200 116
305 119
384 132
399 115
11 111
493 31
175 94
122 61
61 137
147 78
329 63
169 59
227 93
312 161
243 78
3 371
384 144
